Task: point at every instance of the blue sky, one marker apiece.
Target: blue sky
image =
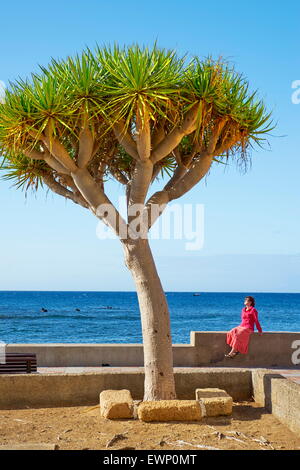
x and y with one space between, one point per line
252 223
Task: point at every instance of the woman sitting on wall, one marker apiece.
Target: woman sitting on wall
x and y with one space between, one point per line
238 338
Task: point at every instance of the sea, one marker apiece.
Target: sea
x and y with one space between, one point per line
113 317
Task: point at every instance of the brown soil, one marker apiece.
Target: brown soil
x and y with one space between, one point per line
81 428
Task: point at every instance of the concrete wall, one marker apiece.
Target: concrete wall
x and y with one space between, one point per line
47 390
205 349
279 396
272 349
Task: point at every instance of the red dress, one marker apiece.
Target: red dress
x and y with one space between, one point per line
238 338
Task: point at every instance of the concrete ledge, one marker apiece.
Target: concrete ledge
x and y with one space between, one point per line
80 355
46 390
206 348
279 396
272 349
261 385
236 382
285 401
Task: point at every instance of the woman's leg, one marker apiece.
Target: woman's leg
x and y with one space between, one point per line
233 352
231 340
238 339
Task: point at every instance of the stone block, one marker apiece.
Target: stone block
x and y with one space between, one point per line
216 401
116 404
170 410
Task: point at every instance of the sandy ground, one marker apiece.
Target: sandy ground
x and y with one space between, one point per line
82 428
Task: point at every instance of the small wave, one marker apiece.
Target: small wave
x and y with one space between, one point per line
120 317
108 308
45 317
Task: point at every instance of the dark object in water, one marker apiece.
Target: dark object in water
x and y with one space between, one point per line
105 365
196 295
44 310
77 309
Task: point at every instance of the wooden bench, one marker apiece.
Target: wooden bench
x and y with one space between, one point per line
19 363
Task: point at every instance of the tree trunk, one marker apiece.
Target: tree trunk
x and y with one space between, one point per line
155 318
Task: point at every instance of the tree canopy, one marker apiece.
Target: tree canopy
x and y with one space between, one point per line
113 106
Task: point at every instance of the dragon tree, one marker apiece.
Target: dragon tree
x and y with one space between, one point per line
137 116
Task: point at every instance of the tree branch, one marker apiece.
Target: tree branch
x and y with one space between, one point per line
125 139
141 179
179 172
143 134
62 191
118 175
156 170
182 183
67 181
58 150
158 135
47 157
99 203
86 145
197 171
172 140
158 202
216 134
183 166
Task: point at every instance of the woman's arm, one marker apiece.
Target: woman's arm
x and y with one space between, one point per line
255 315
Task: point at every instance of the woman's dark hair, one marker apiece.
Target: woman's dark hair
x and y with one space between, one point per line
252 300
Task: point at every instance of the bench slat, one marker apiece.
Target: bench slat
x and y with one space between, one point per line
19 363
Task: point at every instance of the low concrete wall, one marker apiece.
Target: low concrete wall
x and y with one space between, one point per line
49 390
207 348
272 349
279 396
285 403
236 382
80 355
